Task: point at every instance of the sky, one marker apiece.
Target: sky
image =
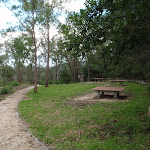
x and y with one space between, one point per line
7 16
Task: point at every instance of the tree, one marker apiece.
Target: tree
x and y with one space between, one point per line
47 18
6 72
20 53
126 26
71 45
27 14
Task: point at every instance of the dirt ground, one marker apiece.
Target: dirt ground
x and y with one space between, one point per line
13 134
92 98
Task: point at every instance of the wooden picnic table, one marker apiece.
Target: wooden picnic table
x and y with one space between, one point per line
99 79
121 81
103 89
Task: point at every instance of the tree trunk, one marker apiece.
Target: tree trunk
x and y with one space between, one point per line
75 70
19 73
35 61
48 53
88 66
47 72
56 73
35 71
69 64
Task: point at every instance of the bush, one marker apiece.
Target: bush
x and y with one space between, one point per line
5 90
58 82
64 76
50 82
15 83
148 86
41 82
1 83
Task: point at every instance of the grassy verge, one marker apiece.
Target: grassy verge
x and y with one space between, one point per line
9 90
119 125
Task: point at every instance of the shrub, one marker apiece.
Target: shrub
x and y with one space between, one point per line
65 76
5 90
15 83
58 82
1 83
41 82
50 82
148 86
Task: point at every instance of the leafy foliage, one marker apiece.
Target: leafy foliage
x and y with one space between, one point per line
5 90
64 76
15 83
121 30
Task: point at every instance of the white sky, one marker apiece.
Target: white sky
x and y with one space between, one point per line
7 16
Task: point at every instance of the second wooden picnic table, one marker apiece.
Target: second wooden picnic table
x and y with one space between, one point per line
103 89
121 81
99 79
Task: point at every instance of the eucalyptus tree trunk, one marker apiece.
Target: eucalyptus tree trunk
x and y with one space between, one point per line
35 54
48 54
88 59
75 70
35 68
70 67
19 73
56 71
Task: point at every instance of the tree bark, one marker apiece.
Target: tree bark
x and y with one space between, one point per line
35 71
48 53
56 73
88 66
35 57
19 74
75 70
69 64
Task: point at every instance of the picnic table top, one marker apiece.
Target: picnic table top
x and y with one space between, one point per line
117 80
108 89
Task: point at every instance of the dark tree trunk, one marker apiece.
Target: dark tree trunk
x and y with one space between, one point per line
88 66
75 70
71 70
56 73
19 73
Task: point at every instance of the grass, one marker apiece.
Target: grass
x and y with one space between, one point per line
119 125
5 91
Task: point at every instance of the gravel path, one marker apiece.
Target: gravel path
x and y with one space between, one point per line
13 134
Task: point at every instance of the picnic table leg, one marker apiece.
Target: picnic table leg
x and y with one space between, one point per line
102 93
98 94
116 94
120 83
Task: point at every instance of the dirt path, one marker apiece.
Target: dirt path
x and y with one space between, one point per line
13 134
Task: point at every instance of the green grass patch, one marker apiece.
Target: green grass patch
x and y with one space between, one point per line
119 125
